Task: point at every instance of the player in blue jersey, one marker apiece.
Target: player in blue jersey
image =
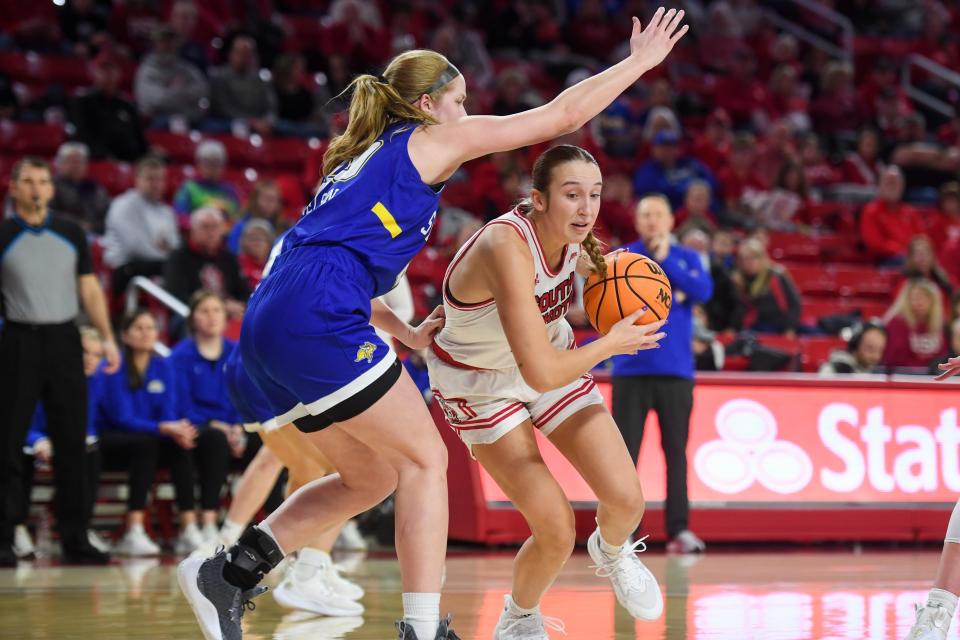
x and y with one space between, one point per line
307 338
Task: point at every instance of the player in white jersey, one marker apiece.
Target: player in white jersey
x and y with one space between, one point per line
505 364
934 617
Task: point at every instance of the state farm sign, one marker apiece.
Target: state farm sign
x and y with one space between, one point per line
803 444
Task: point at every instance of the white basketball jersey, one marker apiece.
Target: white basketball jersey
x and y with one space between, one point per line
472 335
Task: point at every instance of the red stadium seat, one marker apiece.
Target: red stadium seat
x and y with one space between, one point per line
816 350
115 177
31 138
813 279
178 147
31 67
286 154
796 247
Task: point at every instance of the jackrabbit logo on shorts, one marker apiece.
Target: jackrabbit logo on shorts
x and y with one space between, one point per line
748 451
365 352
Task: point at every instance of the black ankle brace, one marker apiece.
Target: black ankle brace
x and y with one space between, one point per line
253 556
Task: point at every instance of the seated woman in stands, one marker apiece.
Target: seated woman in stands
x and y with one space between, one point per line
770 298
139 414
201 393
915 330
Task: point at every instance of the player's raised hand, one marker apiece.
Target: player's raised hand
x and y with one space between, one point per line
651 45
422 336
949 368
625 337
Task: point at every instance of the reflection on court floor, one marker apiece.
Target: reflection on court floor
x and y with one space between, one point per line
723 596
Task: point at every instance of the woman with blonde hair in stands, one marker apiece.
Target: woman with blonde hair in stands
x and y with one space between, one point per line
771 300
915 330
327 371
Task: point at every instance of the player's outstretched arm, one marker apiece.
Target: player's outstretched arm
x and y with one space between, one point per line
438 150
506 267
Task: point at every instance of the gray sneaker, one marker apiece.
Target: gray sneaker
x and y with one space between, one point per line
444 632
217 604
686 542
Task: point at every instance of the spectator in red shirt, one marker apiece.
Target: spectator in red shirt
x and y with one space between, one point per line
837 110
618 210
739 91
915 332
255 245
888 223
784 96
864 165
882 80
740 175
818 172
712 147
775 150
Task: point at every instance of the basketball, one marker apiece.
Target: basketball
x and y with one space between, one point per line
633 282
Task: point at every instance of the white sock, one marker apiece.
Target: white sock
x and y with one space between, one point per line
609 550
136 528
230 532
264 527
422 612
518 611
944 599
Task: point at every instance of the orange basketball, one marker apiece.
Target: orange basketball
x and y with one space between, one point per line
633 282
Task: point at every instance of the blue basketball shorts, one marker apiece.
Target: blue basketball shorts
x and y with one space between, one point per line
249 401
307 341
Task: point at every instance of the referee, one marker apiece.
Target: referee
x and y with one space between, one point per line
45 270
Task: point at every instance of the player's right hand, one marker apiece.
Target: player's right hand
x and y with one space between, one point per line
651 45
625 337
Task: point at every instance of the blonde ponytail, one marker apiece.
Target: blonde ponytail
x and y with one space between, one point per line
375 104
593 248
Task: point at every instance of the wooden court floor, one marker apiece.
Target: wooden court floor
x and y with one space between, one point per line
723 595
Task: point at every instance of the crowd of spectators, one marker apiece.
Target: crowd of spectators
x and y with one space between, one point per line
750 134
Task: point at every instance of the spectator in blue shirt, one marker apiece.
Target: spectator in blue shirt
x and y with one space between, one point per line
140 405
662 379
667 173
198 361
202 397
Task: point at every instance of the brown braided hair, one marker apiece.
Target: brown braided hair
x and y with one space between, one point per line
543 172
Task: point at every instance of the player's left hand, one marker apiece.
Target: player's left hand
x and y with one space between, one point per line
949 368
422 336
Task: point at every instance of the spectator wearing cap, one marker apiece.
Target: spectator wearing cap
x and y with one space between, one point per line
208 189
141 227
45 276
668 173
75 195
105 121
240 98
168 88
887 223
863 354
205 263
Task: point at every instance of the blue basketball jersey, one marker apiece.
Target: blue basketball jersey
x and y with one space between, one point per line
376 206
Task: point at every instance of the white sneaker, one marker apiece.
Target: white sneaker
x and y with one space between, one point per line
23 546
97 542
188 541
529 627
686 542
136 543
305 587
210 533
636 588
322 562
932 623
350 538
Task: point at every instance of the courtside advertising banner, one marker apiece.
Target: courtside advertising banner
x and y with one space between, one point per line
812 444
